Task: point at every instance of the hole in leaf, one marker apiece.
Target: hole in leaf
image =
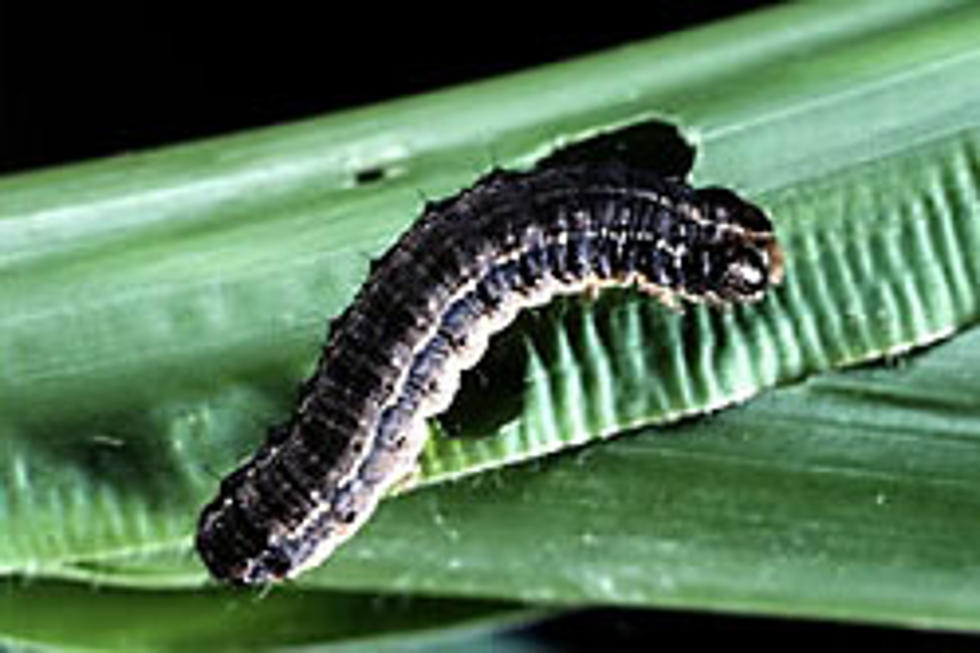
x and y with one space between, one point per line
653 145
368 176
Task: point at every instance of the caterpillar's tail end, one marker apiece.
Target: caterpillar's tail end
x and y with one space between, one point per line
233 551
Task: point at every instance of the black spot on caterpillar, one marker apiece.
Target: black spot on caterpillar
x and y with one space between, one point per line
461 273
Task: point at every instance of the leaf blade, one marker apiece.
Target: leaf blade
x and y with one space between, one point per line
192 336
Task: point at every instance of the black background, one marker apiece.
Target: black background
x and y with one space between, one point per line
83 80
80 81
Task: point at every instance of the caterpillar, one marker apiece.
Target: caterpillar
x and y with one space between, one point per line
462 272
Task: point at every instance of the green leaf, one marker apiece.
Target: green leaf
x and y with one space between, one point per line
851 495
160 308
64 614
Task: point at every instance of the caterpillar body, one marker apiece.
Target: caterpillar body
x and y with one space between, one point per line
426 312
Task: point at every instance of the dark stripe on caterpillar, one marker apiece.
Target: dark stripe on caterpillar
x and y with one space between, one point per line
426 312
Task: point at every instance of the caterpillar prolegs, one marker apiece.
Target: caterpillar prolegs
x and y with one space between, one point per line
461 273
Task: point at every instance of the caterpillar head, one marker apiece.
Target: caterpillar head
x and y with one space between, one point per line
750 258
